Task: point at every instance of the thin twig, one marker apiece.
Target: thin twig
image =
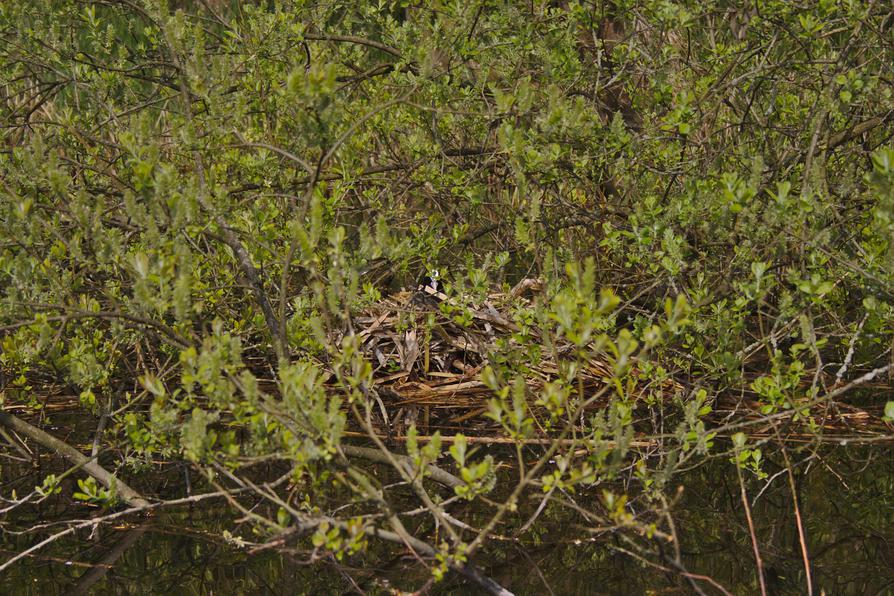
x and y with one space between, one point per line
104 519
801 537
751 532
839 376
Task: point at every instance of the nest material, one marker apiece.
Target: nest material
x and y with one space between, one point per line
429 374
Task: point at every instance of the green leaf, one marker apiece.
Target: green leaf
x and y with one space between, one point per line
152 384
889 410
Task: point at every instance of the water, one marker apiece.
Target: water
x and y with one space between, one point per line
846 496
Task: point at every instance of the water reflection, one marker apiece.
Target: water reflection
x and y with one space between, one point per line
846 497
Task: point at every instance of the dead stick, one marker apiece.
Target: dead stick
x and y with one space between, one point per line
801 537
751 532
434 472
129 495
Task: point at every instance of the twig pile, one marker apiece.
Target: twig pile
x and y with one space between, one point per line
427 366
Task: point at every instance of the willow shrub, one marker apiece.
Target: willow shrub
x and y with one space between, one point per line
196 197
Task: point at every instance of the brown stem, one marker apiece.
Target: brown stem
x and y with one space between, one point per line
858 129
510 503
802 539
250 272
751 532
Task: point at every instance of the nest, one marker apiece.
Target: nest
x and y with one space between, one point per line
427 365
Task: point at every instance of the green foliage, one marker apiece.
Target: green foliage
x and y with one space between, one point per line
479 477
94 494
745 458
198 199
49 487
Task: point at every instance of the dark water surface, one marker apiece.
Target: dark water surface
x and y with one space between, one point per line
847 503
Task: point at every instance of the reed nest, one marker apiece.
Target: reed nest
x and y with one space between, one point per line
427 366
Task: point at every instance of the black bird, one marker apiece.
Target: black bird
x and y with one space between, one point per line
430 283
428 292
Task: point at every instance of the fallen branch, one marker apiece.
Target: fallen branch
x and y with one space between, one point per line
129 495
434 472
